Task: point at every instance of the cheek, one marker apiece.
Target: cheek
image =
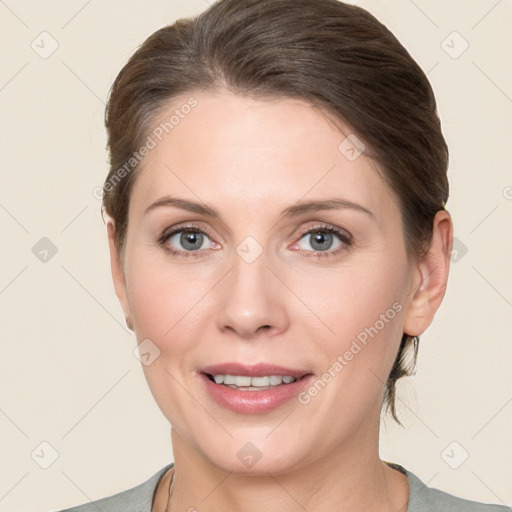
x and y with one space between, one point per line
359 312
354 298
163 298
169 308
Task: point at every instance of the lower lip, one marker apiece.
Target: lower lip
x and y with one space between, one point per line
254 402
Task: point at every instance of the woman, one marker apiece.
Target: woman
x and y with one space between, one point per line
279 240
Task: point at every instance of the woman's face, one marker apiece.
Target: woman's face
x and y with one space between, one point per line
278 247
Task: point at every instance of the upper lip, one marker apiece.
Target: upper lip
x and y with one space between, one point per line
255 370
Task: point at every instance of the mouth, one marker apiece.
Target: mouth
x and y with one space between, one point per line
253 389
255 377
248 383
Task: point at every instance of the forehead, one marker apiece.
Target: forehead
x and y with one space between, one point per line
238 151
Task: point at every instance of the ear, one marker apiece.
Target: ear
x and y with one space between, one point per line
118 275
430 276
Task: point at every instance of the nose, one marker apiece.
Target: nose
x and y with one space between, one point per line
251 301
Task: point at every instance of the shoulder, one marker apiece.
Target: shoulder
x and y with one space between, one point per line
136 499
427 499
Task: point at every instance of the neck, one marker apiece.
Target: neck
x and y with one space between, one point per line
347 480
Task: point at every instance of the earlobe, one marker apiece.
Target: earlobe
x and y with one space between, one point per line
430 277
118 275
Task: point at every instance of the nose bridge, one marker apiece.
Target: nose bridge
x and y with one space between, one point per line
248 298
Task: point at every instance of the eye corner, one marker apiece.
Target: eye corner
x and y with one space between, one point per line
345 240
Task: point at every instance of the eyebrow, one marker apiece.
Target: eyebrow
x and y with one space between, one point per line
297 209
184 204
303 207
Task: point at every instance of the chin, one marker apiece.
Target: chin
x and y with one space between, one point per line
247 454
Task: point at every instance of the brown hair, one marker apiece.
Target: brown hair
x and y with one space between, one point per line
337 57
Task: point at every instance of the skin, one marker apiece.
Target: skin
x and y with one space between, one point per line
249 160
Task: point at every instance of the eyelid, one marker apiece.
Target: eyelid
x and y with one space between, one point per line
320 226
344 236
163 239
187 226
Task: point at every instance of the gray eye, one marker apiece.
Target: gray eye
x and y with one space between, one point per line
189 240
319 241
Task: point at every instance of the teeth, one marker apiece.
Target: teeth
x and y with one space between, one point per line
246 381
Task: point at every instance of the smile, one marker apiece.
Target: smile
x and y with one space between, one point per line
249 394
247 383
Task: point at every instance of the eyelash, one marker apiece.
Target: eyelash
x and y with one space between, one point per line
343 236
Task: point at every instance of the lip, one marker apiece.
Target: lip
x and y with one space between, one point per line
255 370
254 402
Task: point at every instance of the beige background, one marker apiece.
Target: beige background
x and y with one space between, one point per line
68 374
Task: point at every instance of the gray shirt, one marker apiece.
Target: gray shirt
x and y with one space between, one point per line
421 498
